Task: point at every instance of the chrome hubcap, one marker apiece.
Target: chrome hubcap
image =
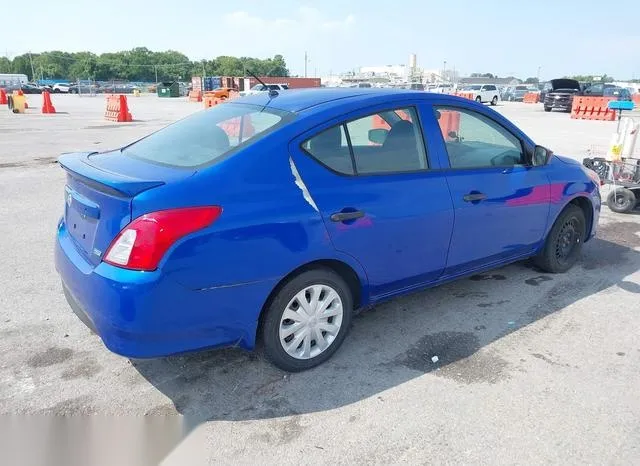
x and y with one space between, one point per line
311 322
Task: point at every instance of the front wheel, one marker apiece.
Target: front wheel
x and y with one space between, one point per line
621 200
547 109
307 320
564 242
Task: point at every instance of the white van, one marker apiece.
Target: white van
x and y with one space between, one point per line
12 82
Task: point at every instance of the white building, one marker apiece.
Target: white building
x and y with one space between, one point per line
401 71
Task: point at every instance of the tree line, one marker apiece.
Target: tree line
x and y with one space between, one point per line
138 64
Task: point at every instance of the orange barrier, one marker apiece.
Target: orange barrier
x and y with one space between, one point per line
232 127
531 98
635 98
449 122
592 108
3 97
195 96
117 109
211 100
47 106
465 95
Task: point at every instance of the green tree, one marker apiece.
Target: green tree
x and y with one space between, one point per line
137 64
531 81
5 65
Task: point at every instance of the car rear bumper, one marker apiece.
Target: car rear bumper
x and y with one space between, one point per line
148 314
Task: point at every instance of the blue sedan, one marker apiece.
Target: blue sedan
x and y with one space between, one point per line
275 216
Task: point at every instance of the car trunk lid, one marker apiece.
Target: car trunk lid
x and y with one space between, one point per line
98 194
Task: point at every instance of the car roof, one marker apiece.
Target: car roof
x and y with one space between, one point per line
298 100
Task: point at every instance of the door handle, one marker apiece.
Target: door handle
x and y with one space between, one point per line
474 197
344 216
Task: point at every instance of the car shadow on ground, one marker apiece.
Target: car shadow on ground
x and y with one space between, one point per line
397 341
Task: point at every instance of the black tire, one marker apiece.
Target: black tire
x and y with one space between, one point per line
10 102
274 312
564 242
479 99
621 200
547 109
494 101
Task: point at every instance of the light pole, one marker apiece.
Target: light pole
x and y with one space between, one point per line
444 71
538 75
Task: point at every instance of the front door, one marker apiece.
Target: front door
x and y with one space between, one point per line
501 204
381 201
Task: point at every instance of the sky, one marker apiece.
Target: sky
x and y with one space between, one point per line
561 37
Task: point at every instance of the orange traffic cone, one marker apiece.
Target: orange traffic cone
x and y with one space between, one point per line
124 114
3 97
47 106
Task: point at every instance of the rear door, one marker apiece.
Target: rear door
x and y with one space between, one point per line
381 197
501 204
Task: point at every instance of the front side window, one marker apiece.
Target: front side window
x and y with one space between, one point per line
475 141
385 142
207 136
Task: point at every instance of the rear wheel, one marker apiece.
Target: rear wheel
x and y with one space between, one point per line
564 242
547 109
307 320
494 101
479 99
621 200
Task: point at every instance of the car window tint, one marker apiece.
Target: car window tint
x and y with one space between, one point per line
596 89
331 149
207 136
384 145
475 141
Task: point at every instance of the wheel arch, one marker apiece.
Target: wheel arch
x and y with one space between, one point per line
354 281
584 204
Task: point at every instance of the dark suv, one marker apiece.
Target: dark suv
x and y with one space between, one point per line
607 90
559 93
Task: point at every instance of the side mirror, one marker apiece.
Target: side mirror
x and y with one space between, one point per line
541 156
378 135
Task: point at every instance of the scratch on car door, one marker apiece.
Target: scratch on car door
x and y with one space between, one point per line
303 187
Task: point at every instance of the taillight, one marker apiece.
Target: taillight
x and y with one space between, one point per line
142 243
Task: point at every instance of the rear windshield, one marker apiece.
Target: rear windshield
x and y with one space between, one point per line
207 136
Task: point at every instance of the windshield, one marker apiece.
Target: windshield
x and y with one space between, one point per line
208 135
471 88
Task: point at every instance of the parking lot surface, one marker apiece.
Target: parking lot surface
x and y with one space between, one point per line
532 368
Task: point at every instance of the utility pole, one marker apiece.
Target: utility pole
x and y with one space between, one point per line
306 59
444 71
33 73
538 75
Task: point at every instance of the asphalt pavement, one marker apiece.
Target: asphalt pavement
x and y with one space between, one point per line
531 367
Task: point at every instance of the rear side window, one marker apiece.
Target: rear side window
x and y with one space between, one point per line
331 149
385 142
207 136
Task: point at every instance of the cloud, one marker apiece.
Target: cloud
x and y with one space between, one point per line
306 29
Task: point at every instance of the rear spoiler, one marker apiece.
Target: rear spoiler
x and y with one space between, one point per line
79 166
